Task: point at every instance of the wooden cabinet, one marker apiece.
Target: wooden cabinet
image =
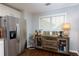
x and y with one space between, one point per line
50 42
1 32
63 45
57 44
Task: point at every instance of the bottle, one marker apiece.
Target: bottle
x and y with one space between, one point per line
61 34
39 33
65 49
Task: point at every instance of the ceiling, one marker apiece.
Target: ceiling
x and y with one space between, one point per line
39 7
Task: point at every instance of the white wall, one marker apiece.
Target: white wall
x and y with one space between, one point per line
72 17
35 22
28 18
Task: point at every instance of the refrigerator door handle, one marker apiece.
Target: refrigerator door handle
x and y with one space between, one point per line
18 32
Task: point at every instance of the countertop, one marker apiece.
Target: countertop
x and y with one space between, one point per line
1 39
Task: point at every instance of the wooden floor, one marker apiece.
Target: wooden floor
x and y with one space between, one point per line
38 52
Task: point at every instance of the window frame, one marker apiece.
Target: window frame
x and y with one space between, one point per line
54 15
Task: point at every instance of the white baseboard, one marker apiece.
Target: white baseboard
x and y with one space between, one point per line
75 51
28 46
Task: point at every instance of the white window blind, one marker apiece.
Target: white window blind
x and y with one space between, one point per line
56 23
45 23
51 23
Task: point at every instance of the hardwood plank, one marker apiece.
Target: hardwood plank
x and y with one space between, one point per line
40 52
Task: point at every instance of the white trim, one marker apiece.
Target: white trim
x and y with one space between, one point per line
53 15
75 51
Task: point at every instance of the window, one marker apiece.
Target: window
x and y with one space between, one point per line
51 23
45 23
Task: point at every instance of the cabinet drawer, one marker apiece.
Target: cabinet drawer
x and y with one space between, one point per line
53 47
53 43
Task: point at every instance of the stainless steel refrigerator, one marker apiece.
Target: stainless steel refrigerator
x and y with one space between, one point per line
11 42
